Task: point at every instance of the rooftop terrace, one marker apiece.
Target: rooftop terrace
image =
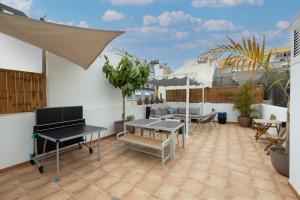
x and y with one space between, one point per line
226 164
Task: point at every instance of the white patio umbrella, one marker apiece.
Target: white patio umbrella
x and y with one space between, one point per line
186 80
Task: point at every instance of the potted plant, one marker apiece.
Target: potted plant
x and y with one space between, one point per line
130 129
157 100
244 99
139 102
152 101
146 101
128 77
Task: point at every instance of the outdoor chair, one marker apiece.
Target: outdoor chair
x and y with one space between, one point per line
262 129
207 119
274 140
168 133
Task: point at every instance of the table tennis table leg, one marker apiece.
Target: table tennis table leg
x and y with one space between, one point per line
57 179
173 145
99 146
183 137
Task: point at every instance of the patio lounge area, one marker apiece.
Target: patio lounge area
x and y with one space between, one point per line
225 164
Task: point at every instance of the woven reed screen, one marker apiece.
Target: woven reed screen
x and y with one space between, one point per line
212 95
21 91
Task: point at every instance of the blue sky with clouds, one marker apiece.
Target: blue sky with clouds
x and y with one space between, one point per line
171 30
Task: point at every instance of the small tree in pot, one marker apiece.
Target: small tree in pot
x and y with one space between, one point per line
244 99
128 77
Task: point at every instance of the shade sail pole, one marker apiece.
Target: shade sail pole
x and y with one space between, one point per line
202 99
187 106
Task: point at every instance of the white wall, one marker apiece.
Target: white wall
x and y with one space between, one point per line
267 110
70 85
16 142
67 85
16 129
19 55
295 130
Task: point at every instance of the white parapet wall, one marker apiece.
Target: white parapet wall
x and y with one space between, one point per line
267 110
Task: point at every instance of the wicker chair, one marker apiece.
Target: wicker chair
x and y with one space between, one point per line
207 119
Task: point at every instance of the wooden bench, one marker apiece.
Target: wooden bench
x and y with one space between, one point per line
146 142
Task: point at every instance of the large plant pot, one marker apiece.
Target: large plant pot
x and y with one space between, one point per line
119 127
244 121
280 160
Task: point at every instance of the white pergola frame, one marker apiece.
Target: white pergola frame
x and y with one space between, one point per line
189 78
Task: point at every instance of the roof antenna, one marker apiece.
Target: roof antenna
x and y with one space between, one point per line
43 18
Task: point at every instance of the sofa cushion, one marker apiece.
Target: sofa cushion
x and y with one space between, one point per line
156 111
164 111
173 110
181 111
194 111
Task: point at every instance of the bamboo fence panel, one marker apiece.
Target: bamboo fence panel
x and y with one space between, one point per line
212 95
21 91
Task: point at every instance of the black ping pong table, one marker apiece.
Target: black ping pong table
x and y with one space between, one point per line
64 127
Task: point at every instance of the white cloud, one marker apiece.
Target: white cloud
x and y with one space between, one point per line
23 5
148 20
180 35
150 30
218 25
195 44
171 18
112 16
224 3
282 25
174 18
131 2
83 24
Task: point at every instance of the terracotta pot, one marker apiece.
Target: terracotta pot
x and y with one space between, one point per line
139 102
244 121
119 127
280 160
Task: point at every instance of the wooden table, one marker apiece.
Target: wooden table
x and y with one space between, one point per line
275 123
267 121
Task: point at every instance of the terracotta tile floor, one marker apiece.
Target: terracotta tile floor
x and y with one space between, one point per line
227 164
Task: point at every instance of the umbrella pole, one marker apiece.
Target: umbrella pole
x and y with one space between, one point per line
187 106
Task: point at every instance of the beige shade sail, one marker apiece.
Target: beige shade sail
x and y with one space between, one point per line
78 45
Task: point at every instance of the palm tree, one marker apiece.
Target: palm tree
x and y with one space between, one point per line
250 55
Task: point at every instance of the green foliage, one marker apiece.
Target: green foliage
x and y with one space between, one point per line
127 76
244 98
130 117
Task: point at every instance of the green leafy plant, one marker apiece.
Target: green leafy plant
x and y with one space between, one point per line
244 99
130 117
127 76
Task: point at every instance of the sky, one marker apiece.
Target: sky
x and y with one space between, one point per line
172 31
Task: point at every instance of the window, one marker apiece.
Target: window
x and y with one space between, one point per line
21 91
